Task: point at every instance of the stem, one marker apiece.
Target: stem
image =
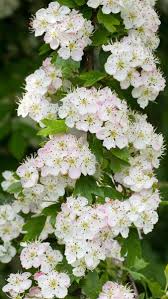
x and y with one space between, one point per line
89 60
134 287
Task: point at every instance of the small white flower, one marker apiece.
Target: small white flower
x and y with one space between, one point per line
54 284
18 283
7 252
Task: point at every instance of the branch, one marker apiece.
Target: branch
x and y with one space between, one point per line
89 61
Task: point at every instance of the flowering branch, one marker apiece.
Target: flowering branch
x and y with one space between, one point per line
99 152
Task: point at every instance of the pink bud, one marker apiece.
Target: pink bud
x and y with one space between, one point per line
38 274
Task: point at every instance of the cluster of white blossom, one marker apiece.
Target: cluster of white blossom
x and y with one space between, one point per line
64 29
88 232
148 148
134 65
87 237
101 112
7 7
97 111
46 283
66 155
131 61
10 228
42 194
113 290
44 178
139 17
36 102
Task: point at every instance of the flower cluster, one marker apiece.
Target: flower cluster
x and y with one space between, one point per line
42 194
40 255
88 232
139 17
64 29
131 61
113 290
84 231
10 228
36 102
10 223
97 111
7 7
134 65
48 282
44 178
66 155
101 112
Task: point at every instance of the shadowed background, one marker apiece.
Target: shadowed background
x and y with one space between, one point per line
19 57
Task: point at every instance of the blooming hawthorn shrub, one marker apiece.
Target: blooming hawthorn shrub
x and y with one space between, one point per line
84 201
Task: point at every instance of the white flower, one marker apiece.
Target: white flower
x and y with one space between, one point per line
113 290
6 214
9 179
32 255
56 13
28 173
7 252
40 23
50 260
10 223
18 283
54 284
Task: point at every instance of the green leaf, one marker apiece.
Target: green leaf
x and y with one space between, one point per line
86 186
69 3
141 296
118 159
116 164
68 67
137 276
34 227
15 188
131 248
111 193
140 264
55 124
51 210
80 2
100 37
122 154
44 49
164 203
108 21
91 285
17 145
155 288
53 127
96 147
90 78
86 12
166 276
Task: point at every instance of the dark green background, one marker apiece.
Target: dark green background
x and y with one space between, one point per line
19 57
